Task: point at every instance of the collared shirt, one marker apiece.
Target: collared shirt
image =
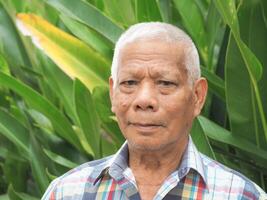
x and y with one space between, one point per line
197 177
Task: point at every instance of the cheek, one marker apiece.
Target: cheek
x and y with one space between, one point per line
120 103
178 106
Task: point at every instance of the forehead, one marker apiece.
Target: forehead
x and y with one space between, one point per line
163 57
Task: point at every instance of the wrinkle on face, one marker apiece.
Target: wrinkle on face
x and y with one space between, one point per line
148 62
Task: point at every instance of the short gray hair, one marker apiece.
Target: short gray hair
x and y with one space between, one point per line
164 32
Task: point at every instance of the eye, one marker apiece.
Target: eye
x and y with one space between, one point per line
166 83
129 83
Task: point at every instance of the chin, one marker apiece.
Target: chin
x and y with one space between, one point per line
145 145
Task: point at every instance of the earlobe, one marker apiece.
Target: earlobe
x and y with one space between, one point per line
200 89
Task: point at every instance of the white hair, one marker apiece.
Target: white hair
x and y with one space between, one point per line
165 32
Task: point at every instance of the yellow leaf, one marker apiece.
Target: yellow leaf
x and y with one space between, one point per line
73 56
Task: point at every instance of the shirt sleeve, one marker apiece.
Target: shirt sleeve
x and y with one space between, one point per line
50 193
262 194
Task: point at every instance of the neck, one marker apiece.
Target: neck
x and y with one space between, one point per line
158 164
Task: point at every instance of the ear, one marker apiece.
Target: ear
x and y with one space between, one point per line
111 93
200 93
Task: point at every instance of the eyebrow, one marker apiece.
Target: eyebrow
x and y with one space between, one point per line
134 72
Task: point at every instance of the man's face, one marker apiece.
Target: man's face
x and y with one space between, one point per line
153 100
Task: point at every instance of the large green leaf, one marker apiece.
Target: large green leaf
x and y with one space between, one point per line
200 139
253 12
87 116
222 135
242 101
251 62
89 15
36 101
228 12
72 55
239 95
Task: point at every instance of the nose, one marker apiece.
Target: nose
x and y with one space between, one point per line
146 98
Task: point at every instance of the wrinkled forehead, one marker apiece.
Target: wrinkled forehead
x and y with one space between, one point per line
152 51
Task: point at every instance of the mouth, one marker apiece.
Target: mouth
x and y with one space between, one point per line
145 127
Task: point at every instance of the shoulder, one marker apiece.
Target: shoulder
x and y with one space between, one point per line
76 179
222 179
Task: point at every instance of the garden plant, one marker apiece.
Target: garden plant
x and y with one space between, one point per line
55 59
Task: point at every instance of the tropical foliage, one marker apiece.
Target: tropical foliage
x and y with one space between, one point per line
55 58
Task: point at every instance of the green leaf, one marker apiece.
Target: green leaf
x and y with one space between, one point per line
36 101
88 35
13 195
222 135
14 131
103 108
165 10
41 121
147 11
59 82
3 65
252 64
122 11
89 15
38 165
4 197
107 147
240 95
246 109
200 139
60 159
227 10
86 146
13 169
88 119
73 56
13 48
194 24
3 152
216 84
214 34
50 176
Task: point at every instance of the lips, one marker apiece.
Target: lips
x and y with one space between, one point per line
145 124
146 127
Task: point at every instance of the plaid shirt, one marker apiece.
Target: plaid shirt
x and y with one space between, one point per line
198 177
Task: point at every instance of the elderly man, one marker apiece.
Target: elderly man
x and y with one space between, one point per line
156 92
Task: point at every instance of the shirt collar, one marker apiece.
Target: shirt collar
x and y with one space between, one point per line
192 160
119 163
